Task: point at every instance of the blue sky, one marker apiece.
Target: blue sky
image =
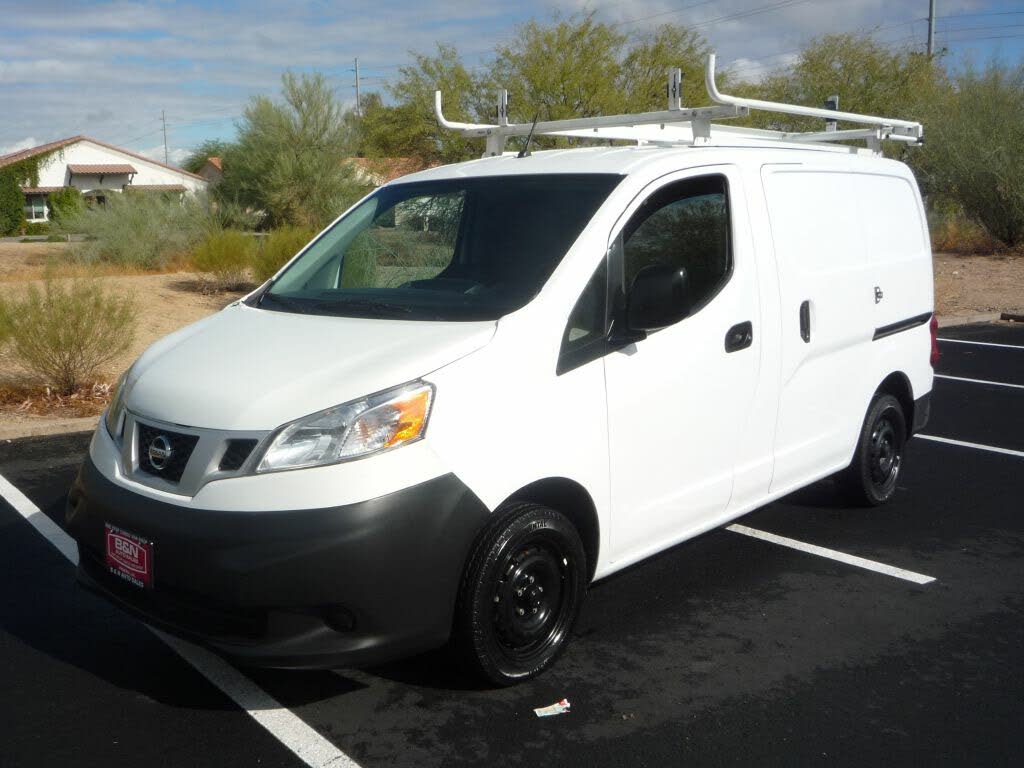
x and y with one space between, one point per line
107 69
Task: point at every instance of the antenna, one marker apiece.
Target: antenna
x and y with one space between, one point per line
525 151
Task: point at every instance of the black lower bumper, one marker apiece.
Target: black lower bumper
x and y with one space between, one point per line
341 586
922 412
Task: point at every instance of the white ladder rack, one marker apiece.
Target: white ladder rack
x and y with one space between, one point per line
678 125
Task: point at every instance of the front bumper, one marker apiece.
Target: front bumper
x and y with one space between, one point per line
340 586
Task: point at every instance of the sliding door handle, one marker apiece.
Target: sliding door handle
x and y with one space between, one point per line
805 322
740 336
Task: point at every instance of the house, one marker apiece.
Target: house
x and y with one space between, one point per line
212 170
97 169
378 171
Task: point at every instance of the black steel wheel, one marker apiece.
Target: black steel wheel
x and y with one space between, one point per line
521 593
872 475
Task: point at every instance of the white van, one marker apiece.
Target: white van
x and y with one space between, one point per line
487 385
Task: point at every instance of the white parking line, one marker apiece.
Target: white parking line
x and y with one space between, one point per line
283 724
976 446
982 343
979 381
831 554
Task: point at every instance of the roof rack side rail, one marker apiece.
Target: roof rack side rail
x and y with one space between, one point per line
905 130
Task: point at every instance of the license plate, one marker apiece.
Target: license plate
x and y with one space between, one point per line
129 557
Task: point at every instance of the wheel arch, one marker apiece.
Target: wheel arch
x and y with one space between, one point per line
572 500
898 385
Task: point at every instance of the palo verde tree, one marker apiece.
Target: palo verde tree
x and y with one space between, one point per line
573 67
206 149
289 159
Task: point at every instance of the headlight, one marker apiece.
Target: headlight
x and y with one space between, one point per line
352 430
114 418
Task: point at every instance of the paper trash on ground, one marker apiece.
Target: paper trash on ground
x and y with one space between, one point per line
558 708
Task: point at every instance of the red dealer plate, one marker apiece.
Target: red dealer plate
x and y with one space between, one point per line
129 557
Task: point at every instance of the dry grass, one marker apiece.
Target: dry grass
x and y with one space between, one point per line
21 262
21 399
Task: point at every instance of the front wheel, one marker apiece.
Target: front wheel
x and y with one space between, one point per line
521 593
872 475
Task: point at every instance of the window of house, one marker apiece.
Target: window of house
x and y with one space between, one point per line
685 224
35 207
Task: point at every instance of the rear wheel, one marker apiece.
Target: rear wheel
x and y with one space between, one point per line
872 475
521 593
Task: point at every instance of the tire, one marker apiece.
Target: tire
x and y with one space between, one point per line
520 594
871 478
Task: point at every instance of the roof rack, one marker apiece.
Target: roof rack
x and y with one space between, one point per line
685 126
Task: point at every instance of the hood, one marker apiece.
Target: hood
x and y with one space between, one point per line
252 369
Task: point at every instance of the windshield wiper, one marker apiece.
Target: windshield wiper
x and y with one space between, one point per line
368 304
292 304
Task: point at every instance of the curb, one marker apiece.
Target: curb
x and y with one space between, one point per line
986 317
44 429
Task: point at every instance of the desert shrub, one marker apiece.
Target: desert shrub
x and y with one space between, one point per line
65 204
974 154
36 228
953 232
139 231
224 256
66 332
12 204
277 248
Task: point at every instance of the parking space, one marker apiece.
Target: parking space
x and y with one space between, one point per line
728 649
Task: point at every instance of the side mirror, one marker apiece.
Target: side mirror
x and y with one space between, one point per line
657 298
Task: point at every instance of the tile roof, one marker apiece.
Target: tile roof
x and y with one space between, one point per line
22 154
101 168
39 190
215 162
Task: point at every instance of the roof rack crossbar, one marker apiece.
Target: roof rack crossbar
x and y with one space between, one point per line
696 121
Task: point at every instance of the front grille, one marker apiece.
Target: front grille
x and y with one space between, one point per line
236 454
181 449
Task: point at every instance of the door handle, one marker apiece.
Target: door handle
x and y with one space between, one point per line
740 336
805 322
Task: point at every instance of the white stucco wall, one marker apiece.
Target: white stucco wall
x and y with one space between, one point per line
54 172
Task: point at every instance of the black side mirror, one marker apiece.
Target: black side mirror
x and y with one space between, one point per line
657 298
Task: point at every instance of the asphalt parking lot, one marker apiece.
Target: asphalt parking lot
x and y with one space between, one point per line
727 649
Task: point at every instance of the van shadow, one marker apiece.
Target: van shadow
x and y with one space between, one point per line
56 620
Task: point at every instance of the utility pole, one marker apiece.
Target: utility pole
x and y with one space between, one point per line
931 28
163 118
357 108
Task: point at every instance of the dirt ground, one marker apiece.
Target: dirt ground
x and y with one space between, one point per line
964 286
165 303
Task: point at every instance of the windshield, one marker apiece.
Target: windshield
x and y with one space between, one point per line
457 249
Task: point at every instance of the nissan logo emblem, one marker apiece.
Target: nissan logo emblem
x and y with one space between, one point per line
159 452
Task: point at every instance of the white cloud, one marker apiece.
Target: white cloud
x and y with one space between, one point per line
20 145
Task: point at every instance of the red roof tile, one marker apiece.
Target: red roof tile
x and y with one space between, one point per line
95 169
39 190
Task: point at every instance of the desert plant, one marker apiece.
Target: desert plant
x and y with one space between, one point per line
65 204
974 154
67 331
277 248
224 256
139 231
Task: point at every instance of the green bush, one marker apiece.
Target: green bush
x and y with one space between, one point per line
139 231
277 248
36 228
12 204
973 156
65 333
225 255
65 205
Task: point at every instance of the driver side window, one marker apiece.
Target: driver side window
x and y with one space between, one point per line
685 224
